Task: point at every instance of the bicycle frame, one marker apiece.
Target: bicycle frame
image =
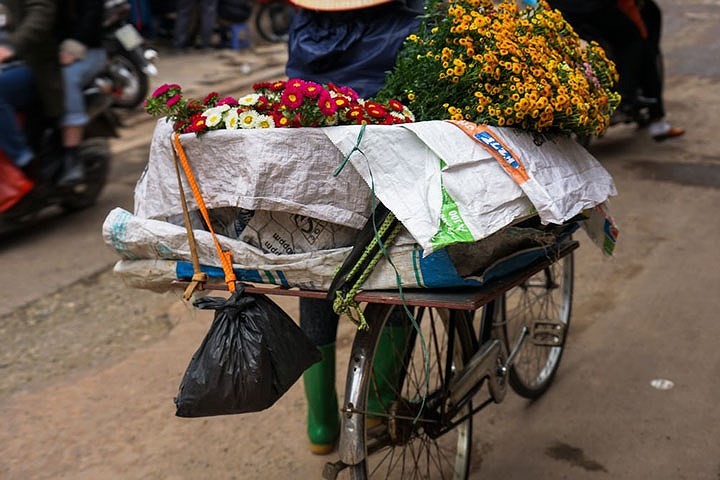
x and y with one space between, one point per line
487 363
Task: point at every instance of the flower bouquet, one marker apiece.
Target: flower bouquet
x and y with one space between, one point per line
291 103
502 65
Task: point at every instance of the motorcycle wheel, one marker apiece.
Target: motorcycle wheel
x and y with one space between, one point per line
129 82
272 20
95 155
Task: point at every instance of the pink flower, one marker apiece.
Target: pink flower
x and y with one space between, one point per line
164 88
173 100
312 89
346 91
227 101
296 84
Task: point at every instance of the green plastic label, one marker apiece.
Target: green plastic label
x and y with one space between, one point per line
452 226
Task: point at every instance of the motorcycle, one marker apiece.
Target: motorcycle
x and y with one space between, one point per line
24 200
130 63
272 19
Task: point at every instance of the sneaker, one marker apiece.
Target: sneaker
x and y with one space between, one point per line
73 171
662 130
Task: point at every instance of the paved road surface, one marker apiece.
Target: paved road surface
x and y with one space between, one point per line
84 402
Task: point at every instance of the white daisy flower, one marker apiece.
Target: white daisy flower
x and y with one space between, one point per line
248 119
406 111
214 115
397 115
249 100
231 119
265 121
331 120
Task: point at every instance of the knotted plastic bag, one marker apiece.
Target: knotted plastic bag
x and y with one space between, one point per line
252 354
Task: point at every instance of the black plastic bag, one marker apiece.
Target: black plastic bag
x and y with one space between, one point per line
252 354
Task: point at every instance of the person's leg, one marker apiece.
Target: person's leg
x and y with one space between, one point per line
208 22
388 362
653 74
652 71
319 322
16 92
75 77
184 15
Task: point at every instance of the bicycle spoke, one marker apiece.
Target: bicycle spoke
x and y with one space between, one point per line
541 304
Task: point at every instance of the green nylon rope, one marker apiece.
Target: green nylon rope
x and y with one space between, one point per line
346 303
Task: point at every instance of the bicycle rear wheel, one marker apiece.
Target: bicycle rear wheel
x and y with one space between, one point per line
539 309
409 434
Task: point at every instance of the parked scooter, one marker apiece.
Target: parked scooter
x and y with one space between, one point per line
23 200
130 63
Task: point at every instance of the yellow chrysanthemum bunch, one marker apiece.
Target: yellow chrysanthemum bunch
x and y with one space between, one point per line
501 65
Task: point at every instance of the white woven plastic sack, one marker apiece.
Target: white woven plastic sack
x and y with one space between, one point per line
156 253
446 187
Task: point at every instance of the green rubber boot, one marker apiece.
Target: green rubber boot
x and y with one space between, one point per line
387 368
322 404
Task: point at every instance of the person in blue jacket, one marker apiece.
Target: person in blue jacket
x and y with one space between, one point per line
350 43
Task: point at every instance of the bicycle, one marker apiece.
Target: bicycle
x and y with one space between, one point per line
510 331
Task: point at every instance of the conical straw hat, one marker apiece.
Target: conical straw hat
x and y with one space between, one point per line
337 5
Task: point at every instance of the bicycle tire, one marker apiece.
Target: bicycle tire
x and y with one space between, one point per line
542 304
131 85
394 445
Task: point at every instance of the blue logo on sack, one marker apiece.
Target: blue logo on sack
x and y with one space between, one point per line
491 142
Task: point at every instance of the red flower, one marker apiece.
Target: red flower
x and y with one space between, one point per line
263 104
341 102
375 109
261 85
292 98
211 99
326 104
356 113
395 105
277 86
280 119
194 106
179 125
197 123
